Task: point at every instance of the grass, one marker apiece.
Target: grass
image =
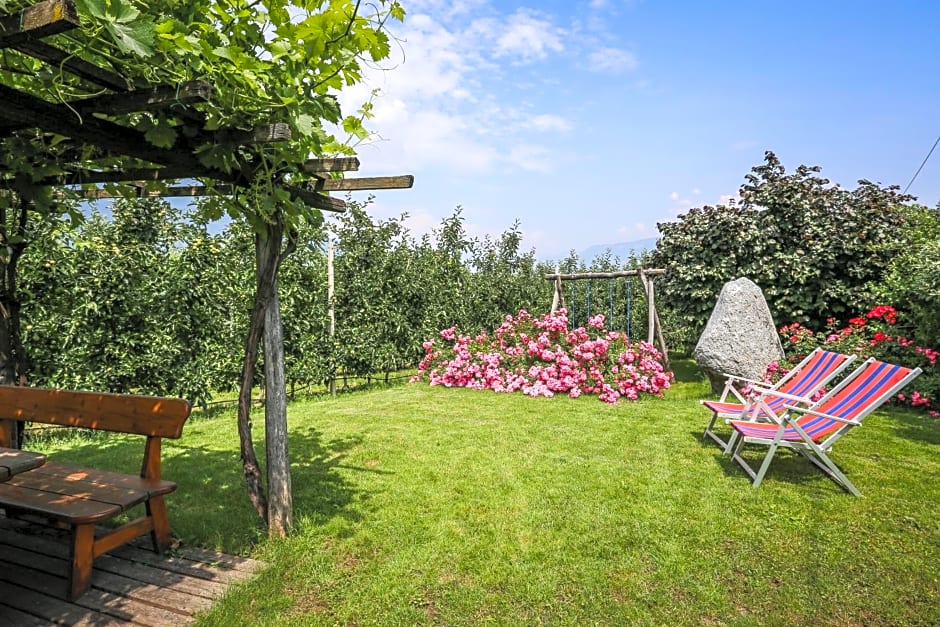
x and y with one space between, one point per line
422 506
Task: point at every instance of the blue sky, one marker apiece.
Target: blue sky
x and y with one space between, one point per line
591 121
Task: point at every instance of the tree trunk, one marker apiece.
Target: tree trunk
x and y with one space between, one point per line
275 508
280 507
267 255
14 363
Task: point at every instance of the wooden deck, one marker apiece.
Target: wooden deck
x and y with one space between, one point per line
131 585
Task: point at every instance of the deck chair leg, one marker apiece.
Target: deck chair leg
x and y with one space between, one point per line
772 449
709 433
734 449
83 555
733 439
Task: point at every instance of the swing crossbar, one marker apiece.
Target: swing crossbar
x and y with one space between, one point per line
603 275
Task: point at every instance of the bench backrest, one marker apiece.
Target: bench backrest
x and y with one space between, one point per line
123 413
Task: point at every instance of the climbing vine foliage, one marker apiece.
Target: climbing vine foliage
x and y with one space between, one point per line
268 61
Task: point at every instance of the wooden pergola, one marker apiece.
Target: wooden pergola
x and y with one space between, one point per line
121 154
94 147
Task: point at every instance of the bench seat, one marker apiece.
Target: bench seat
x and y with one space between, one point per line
76 495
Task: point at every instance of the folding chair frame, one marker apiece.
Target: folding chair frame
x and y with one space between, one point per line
815 452
754 406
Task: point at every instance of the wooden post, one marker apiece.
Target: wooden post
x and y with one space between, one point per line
558 299
280 502
330 304
656 326
650 305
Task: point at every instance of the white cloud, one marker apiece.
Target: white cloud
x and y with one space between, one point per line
549 122
437 139
445 8
440 105
527 36
613 60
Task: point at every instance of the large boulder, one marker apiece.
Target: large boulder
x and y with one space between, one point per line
740 337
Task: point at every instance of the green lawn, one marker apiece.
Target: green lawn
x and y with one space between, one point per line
418 505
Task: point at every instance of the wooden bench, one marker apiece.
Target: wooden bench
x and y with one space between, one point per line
80 498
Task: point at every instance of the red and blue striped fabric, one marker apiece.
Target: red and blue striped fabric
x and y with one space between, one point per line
816 371
869 387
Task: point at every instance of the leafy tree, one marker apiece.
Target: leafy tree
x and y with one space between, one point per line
912 280
813 247
122 305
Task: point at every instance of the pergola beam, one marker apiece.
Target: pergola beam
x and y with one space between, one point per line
26 109
74 65
365 183
43 19
155 99
325 166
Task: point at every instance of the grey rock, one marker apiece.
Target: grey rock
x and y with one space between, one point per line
740 338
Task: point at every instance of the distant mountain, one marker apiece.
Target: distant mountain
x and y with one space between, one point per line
623 250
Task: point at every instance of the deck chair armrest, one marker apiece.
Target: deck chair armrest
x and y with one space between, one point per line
806 410
760 391
735 378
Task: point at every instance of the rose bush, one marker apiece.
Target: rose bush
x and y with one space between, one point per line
542 357
875 334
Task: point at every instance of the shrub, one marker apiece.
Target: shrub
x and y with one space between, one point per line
542 357
875 334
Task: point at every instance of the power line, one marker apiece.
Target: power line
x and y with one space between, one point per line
921 166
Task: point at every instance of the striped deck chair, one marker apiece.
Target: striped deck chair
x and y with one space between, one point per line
767 404
811 431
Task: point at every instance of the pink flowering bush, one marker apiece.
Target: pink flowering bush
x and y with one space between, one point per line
542 357
875 334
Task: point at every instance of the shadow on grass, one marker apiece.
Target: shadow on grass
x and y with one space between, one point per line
686 370
915 426
210 506
787 466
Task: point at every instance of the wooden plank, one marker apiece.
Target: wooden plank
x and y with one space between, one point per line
10 616
165 598
196 586
124 498
316 199
191 191
52 474
51 609
195 561
37 21
405 181
73 509
130 175
339 164
35 560
15 461
267 134
36 113
75 65
156 99
123 413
